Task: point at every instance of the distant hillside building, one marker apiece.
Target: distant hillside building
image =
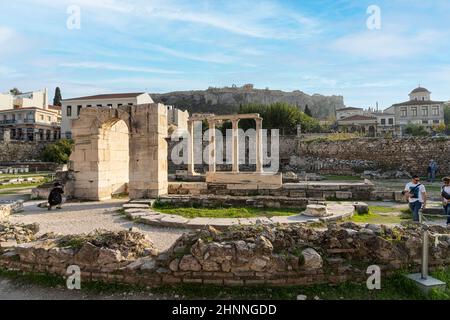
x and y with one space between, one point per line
28 117
420 109
348 112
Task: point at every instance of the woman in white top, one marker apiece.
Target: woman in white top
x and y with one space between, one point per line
445 198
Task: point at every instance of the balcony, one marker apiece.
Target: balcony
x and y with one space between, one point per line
8 122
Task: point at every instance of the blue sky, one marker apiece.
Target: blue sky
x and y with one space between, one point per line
316 46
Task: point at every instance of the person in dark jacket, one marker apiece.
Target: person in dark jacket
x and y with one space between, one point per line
55 198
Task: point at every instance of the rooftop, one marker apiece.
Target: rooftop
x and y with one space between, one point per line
419 89
359 118
349 109
108 96
417 103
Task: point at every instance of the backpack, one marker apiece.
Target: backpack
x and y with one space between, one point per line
415 191
444 194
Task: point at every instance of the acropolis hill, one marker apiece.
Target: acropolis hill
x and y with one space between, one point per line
228 99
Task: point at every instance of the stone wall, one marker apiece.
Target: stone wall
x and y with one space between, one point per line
241 256
20 151
357 155
289 191
9 208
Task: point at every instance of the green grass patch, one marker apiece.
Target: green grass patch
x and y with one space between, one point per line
21 185
227 212
396 287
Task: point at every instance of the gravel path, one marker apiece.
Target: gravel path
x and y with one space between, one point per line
84 217
13 290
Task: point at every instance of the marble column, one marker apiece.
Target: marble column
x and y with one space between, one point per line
190 149
259 146
235 147
212 146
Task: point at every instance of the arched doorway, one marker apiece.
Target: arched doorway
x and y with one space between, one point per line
119 150
114 157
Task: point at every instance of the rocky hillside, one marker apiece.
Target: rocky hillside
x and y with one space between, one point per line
228 100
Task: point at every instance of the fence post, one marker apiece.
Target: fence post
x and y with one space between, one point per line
425 255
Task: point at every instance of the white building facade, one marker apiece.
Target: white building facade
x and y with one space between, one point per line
71 107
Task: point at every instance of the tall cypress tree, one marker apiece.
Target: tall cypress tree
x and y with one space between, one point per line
308 111
57 100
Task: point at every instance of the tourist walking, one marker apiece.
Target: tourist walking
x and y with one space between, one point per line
55 198
417 196
432 170
445 192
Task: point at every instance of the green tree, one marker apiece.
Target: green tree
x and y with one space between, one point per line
58 152
15 91
447 115
308 111
280 116
57 100
416 130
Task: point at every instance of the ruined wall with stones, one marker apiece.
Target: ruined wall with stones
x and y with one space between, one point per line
357 155
244 256
20 151
353 156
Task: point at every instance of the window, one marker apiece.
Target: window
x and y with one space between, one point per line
109 105
391 121
423 98
68 135
425 111
69 111
383 121
79 110
436 121
99 105
435 111
414 111
89 106
404 112
49 119
42 117
130 104
119 105
424 121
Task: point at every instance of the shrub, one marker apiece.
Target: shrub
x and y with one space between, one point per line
416 130
280 116
58 152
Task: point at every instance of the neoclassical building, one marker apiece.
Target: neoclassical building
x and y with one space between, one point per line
420 109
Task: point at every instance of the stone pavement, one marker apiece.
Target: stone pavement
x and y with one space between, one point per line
140 213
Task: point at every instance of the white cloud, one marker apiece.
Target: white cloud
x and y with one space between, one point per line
375 44
214 58
115 67
6 35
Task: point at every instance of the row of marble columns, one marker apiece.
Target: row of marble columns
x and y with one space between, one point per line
234 149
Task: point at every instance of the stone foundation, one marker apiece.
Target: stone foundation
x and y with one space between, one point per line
311 190
244 256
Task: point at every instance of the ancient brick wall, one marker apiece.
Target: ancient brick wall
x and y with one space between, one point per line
20 151
412 154
245 256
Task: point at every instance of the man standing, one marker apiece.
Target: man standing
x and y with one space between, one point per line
417 196
432 170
